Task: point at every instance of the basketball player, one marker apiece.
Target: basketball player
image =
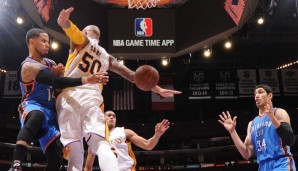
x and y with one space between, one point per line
79 114
121 140
38 78
269 134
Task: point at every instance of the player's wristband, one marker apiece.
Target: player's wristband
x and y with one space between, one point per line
75 34
48 78
286 134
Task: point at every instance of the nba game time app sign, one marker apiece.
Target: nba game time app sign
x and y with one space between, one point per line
143 31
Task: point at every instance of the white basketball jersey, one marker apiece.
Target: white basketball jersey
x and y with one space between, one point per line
125 156
91 59
78 108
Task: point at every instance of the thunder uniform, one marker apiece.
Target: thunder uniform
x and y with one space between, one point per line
125 156
271 153
78 108
37 96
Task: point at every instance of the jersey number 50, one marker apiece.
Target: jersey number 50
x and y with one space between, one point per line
88 64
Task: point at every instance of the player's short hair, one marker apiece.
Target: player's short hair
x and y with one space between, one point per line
108 111
33 33
265 87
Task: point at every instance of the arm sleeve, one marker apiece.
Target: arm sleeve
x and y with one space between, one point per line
48 78
286 134
75 34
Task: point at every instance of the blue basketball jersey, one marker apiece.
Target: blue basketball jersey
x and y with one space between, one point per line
35 92
37 96
266 142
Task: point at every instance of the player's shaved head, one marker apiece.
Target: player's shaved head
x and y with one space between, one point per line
92 31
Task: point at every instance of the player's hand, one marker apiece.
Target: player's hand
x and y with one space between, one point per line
162 127
63 18
165 92
58 70
269 108
100 77
227 121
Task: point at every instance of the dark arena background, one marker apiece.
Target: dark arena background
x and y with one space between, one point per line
181 34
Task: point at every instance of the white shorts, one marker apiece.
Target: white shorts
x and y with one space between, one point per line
79 113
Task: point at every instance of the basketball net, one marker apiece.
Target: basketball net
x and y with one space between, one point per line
143 4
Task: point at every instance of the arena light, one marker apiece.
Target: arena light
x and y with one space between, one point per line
20 20
207 52
121 61
54 45
260 20
287 65
228 43
165 61
2 70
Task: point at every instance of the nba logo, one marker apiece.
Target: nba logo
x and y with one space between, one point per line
143 27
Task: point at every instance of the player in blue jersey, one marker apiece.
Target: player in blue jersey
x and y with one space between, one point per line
269 134
38 76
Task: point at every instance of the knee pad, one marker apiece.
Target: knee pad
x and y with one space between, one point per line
35 123
32 127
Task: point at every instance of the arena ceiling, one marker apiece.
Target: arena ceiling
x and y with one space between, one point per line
197 24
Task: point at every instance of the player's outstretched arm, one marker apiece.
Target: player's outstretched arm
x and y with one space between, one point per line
165 92
63 18
128 74
245 149
120 69
77 38
33 72
148 144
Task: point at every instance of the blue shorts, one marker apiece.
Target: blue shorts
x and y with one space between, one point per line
50 128
280 164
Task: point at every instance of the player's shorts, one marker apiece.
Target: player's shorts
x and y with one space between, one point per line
79 114
49 130
283 163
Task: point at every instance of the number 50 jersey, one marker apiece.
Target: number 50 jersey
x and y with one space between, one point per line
90 60
78 108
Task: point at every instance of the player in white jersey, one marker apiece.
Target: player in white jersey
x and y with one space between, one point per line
121 139
79 113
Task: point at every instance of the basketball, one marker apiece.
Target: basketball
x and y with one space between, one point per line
146 77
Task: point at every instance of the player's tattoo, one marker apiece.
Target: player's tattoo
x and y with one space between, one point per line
120 69
30 71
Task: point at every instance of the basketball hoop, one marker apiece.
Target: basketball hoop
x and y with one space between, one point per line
143 4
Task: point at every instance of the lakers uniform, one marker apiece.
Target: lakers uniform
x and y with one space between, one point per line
37 96
125 156
271 153
78 108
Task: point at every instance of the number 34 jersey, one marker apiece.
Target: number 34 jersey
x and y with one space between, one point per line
266 142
